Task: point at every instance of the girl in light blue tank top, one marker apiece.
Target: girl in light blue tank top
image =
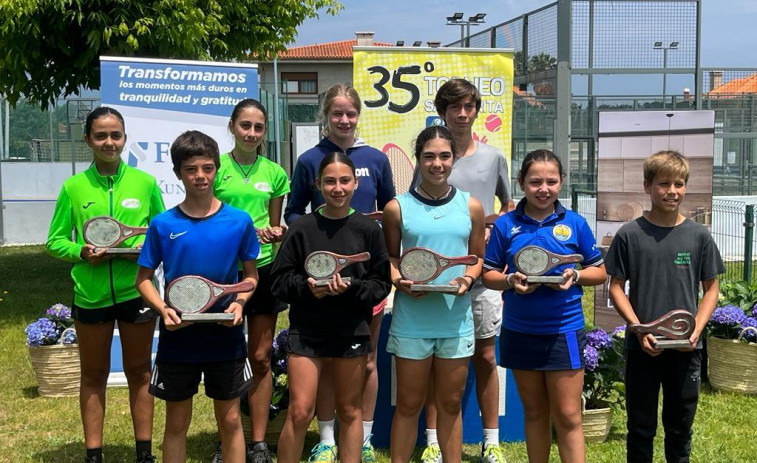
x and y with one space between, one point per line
432 329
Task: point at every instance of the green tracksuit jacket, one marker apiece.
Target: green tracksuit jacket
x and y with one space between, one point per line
131 197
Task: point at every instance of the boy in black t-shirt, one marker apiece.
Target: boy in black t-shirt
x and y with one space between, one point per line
664 257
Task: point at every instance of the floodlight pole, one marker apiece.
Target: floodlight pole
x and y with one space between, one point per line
664 74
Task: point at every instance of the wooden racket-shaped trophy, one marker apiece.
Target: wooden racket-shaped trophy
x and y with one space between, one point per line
671 331
191 296
105 232
421 265
534 262
323 265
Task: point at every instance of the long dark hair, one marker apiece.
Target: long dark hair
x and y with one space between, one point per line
428 134
98 113
331 158
540 155
251 103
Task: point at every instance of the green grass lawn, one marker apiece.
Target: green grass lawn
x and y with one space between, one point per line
36 429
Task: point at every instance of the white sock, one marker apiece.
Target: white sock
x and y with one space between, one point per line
367 431
491 436
431 438
326 430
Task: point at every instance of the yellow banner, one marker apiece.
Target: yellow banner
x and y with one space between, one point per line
398 87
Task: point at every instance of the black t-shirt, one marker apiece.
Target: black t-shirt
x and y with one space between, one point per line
349 313
663 267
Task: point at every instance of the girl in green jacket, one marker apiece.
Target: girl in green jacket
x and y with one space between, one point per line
104 283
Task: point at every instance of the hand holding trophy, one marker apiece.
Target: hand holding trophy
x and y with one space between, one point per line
107 232
192 295
671 331
534 262
421 265
323 265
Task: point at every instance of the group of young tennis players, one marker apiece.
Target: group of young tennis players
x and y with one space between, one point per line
229 228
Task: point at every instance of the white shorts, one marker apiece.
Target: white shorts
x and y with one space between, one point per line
487 310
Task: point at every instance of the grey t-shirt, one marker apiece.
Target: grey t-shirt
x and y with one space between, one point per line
483 174
663 266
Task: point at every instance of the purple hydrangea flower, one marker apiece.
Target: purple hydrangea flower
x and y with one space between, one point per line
598 339
619 331
42 332
69 337
749 335
281 343
59 312
729 315
591 357
282 364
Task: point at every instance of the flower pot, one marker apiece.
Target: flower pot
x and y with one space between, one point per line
733 364
57 369
596 424
272 432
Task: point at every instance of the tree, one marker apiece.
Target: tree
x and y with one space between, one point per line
52 47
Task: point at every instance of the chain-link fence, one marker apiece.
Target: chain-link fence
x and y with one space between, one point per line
731 223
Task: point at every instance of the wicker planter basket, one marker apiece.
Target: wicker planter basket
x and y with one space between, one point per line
272 432
733 364
57 369
596 423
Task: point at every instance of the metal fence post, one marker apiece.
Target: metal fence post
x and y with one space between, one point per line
748 238
574 198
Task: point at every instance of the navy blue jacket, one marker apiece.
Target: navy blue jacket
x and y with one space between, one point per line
375 182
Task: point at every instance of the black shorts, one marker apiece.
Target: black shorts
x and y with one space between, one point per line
175 381
263 302
329 346
542 352
131 311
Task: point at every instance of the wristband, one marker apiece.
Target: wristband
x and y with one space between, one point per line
240 301
472 280
576 276
507 280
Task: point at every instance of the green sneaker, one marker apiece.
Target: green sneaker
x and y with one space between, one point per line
432 454
492 453
323 453
368 455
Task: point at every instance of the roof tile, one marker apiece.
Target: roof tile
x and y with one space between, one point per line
330 50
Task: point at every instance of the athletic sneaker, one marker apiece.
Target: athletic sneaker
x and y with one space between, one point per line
432 454
145 457
323 453
217 455
91 460
492 453
368 455
259 453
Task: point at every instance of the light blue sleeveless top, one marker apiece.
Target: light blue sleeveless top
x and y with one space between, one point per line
443 226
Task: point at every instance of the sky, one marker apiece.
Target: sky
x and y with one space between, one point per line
728 38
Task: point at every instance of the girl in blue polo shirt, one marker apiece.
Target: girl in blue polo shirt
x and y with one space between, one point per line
543 335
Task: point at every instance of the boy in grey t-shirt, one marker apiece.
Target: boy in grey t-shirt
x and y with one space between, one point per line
664 257
480 170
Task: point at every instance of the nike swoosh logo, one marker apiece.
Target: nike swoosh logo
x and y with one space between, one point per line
173 236
355 346
437 218
469 345
145 310
226 178
88 204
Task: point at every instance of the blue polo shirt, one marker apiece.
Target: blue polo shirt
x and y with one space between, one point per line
544 311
